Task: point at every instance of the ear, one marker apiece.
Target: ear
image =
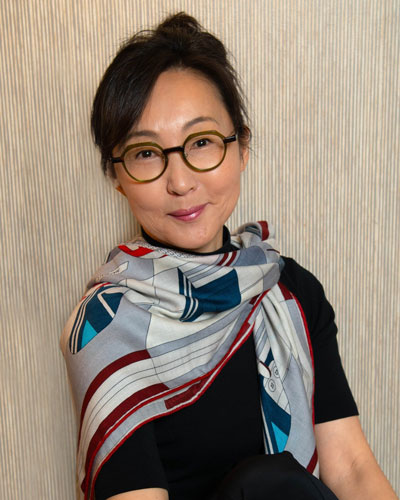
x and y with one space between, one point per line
119 188
245 148
244 157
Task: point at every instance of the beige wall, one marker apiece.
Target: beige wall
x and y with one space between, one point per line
323 85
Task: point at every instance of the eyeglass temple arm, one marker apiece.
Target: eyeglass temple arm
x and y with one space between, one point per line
231 138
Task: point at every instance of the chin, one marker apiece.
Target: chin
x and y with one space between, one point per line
194 244
188 238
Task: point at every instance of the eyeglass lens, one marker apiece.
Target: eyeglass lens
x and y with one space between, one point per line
146 161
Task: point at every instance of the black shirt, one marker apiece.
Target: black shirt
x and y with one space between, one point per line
190 451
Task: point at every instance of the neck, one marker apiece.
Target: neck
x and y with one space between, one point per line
226 244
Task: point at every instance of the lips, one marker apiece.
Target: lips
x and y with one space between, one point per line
188 214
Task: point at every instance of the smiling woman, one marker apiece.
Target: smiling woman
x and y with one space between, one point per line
203 364
185 208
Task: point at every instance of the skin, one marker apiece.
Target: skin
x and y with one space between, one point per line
347 464
181 103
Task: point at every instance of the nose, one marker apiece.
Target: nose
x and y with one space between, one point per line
180 178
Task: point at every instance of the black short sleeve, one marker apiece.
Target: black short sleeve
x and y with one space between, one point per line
333 398
130 465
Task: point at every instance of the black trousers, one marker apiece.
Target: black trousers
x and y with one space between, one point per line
272 477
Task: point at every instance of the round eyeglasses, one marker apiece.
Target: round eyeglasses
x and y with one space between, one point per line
202 152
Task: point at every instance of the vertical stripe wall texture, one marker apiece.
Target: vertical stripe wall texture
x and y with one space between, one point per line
322 80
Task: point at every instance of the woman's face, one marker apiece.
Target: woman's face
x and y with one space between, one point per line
184 208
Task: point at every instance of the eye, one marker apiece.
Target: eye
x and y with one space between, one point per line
201 142
144 154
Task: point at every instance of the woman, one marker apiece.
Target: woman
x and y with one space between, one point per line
203 365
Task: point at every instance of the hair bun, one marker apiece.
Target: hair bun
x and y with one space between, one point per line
184 33
182 22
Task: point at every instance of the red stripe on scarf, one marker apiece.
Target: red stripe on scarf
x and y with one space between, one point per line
139 252
227 259
264 230
105 373
233 257
287 294
186 395
313 462
106 426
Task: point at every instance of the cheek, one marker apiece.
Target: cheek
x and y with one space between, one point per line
227 183
144 201
233 197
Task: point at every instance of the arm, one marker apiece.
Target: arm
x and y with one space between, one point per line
146 494
138 454
347 464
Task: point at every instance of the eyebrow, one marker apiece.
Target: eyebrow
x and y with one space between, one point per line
199 119
154 135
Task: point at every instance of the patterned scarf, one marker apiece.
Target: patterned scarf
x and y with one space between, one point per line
157 326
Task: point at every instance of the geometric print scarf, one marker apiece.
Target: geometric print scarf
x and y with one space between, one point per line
157 325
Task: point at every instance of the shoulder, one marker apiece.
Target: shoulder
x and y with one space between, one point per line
311 295
298 279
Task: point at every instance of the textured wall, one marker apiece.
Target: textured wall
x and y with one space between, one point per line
323 85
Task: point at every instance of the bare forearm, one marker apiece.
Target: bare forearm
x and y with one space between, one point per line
347 464
363 481
146 494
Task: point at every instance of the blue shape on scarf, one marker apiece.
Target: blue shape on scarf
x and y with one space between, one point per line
95 315
269 359
277 420
281 437
218 295
88 333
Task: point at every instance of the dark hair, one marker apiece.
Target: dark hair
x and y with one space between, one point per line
178 42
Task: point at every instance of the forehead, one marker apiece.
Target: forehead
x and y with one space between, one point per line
180 96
